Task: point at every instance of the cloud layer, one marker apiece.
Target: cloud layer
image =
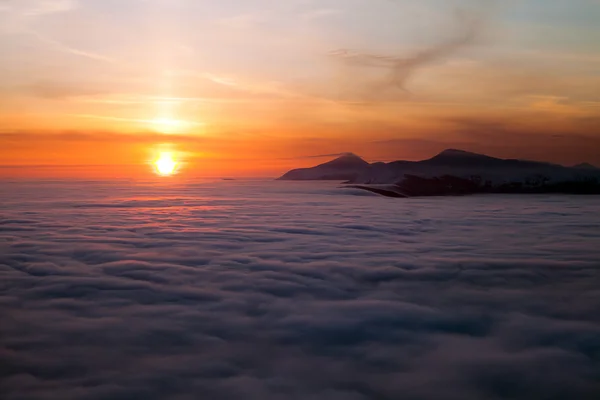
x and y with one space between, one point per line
256 290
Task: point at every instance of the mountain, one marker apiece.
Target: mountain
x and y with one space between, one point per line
585 166
348 161
461 158
346 167
454 172
465 159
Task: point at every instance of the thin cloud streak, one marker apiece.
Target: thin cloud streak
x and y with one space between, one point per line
71 50
137 120
400 69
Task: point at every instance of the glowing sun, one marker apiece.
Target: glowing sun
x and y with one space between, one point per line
165 165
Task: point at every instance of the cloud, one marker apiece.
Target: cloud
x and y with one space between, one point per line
18 15
321 13
569 142
62 90
119 290
566 142
95 136
320 156
72 50
36 8
399 69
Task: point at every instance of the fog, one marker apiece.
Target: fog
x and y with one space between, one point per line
282 290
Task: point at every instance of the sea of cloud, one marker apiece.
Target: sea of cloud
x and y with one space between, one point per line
280 290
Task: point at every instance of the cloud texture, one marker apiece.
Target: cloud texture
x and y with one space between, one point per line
399 69
254 290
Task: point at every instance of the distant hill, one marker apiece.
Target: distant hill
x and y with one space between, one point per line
585 166
345 167
455 172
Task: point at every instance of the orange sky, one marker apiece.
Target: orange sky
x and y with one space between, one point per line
248 88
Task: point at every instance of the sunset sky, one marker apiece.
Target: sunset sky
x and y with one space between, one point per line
255 87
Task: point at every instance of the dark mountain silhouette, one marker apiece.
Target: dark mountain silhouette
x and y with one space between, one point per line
452 157
454 172
585 166
348 161
345 167
461 158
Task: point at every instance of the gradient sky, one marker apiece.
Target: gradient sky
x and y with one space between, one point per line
255 87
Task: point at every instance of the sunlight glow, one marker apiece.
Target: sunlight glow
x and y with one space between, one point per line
168 125
165 165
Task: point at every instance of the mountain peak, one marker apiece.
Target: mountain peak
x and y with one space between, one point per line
451 162
459 153
465 159
349 156
347 160
585 166
346 167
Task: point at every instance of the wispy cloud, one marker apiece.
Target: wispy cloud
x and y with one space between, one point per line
147 122
45 7
318 156
399 69
36 8
19 15
243 21
321 13
252 87
60 46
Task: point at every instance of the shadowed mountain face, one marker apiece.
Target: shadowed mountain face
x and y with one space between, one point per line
456 172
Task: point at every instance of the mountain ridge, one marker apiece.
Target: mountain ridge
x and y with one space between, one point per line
453 167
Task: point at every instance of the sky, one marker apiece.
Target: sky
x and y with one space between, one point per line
255 87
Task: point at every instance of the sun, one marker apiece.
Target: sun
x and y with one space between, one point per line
165 165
